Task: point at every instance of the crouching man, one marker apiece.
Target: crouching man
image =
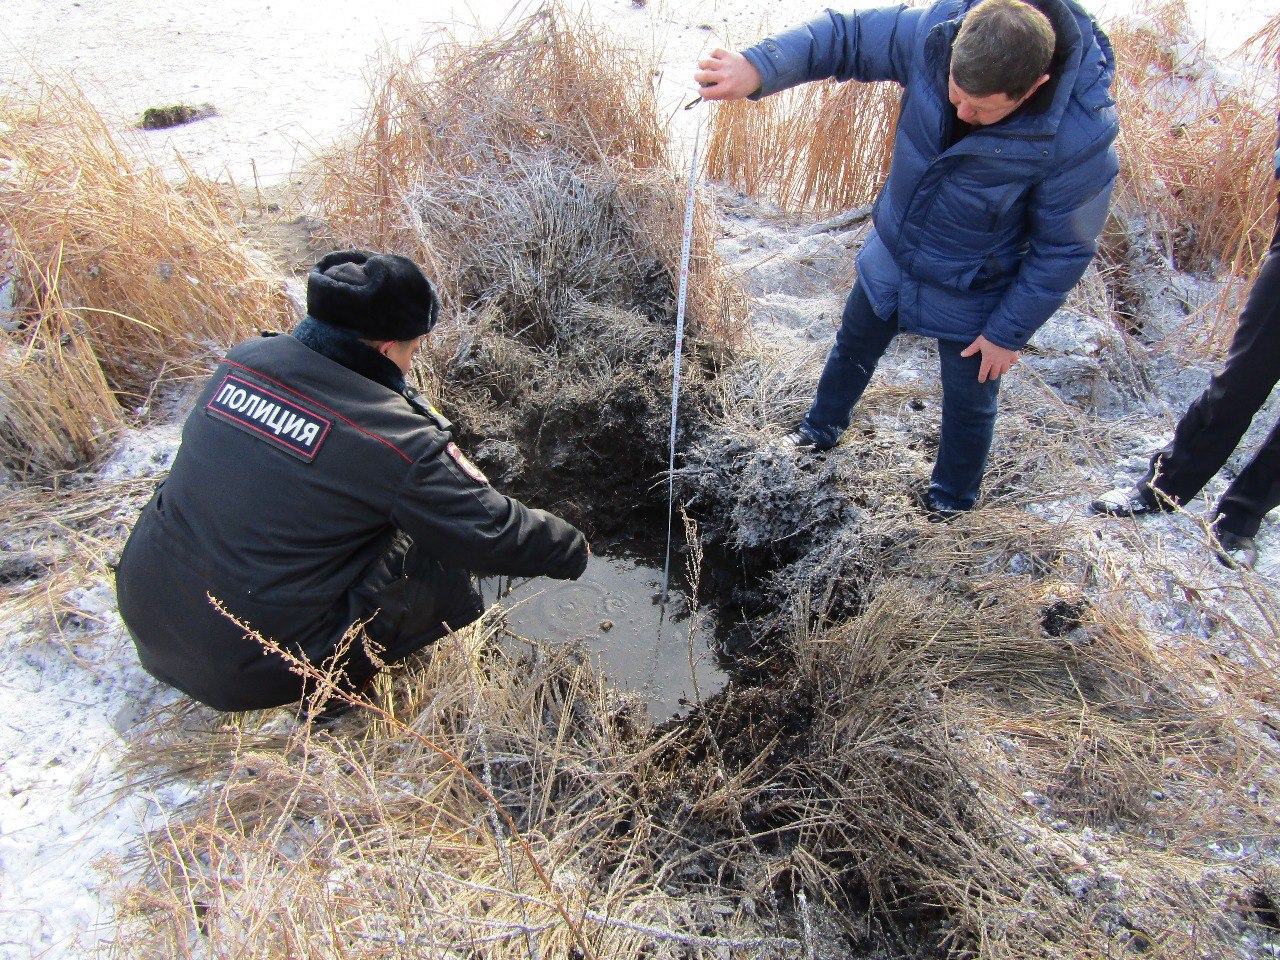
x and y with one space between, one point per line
315 489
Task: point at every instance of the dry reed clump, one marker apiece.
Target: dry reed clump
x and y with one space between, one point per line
816 148
57 411
539 193
538 236
526 178
114 269
1195 153
485 806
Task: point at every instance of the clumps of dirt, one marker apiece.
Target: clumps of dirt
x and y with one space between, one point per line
161 118
577 423
1063 616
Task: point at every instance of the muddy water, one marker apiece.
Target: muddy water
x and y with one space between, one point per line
614 609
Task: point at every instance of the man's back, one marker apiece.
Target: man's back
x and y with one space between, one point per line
294 477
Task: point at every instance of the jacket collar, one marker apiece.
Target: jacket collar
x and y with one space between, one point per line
345 348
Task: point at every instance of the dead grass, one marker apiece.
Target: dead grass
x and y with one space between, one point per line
526 178
483 807
57 412
1196 164
817 148
121 278
1195 153
1265 44
984 728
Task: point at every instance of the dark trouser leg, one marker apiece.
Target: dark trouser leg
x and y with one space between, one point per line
408 601
1213 425
968 424
860 342
1254 493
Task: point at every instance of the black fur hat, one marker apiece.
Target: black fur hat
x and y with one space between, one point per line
377 296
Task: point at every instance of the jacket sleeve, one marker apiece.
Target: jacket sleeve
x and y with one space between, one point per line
460 520
867 45
1066 212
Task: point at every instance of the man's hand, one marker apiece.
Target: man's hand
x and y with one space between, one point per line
727 76
996 361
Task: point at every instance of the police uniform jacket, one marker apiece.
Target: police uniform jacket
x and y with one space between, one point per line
294 476
985 233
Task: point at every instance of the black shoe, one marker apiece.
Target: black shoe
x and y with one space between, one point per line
1130 502
797 439
936 514
932 512
1236 552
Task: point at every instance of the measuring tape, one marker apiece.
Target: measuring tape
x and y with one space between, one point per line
675 379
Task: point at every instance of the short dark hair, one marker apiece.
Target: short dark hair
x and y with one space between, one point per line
1004 46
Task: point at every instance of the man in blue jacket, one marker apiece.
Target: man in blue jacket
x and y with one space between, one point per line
1001 177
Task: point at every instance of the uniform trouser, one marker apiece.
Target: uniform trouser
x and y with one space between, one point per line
1214 424
406 601
968 407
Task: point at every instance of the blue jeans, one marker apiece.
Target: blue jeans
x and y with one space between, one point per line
968 407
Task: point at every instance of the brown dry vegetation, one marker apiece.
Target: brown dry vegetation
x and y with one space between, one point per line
1200 164
122 281
996 738
817 148
449 154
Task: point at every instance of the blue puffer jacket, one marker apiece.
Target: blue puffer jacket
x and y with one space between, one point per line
988 236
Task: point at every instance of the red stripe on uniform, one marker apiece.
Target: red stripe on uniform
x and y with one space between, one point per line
348 420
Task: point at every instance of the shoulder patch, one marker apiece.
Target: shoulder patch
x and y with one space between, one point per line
269 417
468 467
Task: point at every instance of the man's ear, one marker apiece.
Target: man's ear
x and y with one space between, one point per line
1044 78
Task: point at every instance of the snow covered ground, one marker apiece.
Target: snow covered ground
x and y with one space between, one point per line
288 76
285 77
